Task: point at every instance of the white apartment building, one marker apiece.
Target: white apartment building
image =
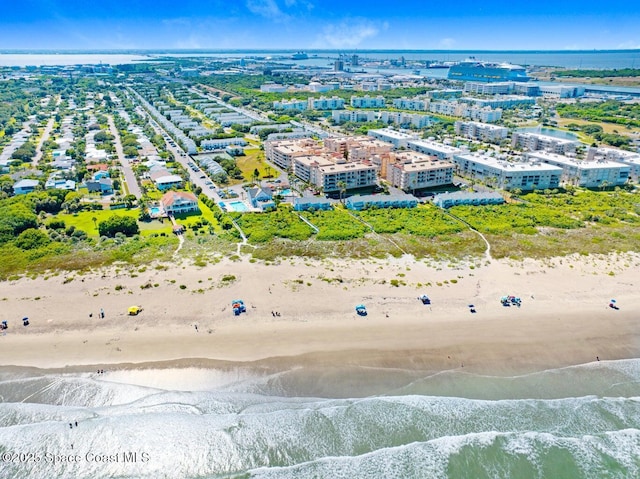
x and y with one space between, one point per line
322 103
273 88
501 101
483 88
397 138
588 174
342 116
535 141
293 104
507 175
221 143
463 110
410 104
282 152
404 119
367 101
433 148
353 175
481 131
628 158
410 170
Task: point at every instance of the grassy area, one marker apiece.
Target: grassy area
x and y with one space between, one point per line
85 221
253 159
610 128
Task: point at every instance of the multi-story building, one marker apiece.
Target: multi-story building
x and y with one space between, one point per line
500 101
293 104
628 158
483 88
410 104
282 152
367 101
347 176
481 131
356 148
322 103
410 170
535 141
404 119
273 88
342 116
398 139
588 174
306 167
506 174
221 143
434 148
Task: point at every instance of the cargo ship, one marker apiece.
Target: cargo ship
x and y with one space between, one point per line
474 70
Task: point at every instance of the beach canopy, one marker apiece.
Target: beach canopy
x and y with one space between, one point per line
134 310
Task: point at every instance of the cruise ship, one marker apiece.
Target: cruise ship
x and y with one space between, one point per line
474 70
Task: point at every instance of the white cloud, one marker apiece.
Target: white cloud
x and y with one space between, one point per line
447 43
269 9
348 33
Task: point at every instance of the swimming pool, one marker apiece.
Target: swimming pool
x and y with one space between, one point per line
239 206
155 211
286 192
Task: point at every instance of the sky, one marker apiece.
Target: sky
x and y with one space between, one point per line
321 24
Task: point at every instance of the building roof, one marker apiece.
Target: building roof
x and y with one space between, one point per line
26 183
170 197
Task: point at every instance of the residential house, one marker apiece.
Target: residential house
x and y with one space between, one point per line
360 202
103 186
25 186
261 198
311 203
176 202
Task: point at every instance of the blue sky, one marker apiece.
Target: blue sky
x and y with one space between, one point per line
320 24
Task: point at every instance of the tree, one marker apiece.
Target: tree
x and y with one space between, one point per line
256 175
118 224
32 239
343 189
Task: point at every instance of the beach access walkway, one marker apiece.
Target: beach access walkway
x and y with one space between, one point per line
178 229
487 252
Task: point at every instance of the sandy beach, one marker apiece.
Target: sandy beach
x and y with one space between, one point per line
565 318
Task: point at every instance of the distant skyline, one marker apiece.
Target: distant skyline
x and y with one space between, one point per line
320 24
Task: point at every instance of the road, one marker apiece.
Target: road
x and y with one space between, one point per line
129 175
45 136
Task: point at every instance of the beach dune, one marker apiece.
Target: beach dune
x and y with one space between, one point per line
303 312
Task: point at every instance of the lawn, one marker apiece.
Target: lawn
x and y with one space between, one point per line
253 159
85 221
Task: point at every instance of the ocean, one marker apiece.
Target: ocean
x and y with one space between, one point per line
597 59
353 422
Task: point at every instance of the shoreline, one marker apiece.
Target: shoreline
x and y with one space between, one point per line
564 319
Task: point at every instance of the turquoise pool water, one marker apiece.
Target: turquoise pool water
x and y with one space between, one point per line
239 206
286 192
155 210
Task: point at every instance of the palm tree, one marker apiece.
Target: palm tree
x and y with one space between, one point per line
343 189
95 222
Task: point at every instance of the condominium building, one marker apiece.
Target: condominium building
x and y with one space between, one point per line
282 152
293 104
220 143
507 175
410 170
588 174
410 104
398 139
404 119
367 101
306 167
483 88
356 148
342 116
535 141
332 178
628 158
322 103
433 148
481 131
501 101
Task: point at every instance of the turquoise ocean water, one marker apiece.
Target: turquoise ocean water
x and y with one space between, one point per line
576 422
